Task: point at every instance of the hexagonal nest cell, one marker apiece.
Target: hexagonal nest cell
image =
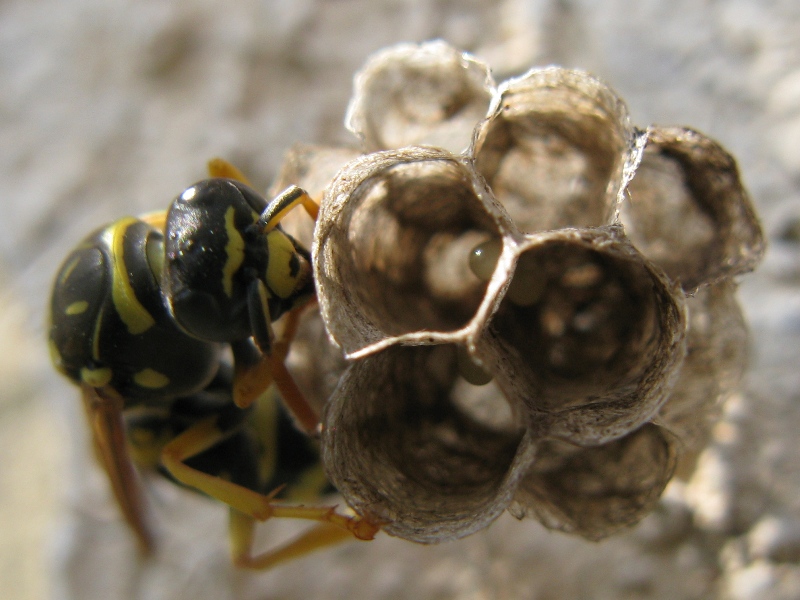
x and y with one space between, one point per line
538 309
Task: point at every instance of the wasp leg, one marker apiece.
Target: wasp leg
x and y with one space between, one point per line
204 435
271 368
291 323
284 202
242 529
260 320
252 373
279 206
219 167
104 413
291 395
157 219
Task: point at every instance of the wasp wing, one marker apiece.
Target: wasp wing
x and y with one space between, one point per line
104 413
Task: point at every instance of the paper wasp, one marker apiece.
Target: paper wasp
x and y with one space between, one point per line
140 311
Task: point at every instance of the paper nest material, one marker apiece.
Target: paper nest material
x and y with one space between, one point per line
607 318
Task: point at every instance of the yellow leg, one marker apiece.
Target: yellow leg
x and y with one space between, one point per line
261 507
282 204
219 167
291 395
291 323
242 529
252 372
253 376
250 380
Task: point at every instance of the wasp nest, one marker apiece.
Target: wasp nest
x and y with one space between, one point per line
535 297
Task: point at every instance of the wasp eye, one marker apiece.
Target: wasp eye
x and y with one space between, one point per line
200 315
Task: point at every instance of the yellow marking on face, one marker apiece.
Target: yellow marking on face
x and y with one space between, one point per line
130 310
234 252
77 308
96 377
279 268
150 378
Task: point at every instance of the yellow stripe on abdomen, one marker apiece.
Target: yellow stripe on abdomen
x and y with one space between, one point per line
77 308
130 310
96 377
151 379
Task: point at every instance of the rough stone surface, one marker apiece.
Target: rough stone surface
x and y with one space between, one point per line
111 109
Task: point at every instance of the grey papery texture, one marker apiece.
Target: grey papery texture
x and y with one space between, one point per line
604 375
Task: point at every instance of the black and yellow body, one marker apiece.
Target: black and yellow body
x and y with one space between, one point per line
230 271
110 325
226 277
112 334
155 389
260 448
254 459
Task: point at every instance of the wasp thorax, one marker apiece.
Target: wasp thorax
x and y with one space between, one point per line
554 148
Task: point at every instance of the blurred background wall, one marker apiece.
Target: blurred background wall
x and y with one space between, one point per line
111 108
